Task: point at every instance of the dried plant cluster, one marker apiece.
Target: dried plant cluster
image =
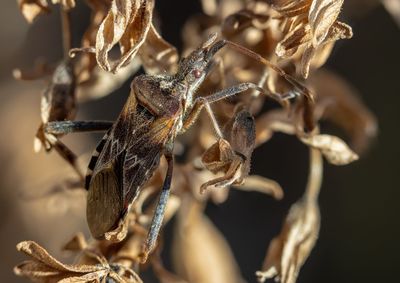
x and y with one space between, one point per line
283 46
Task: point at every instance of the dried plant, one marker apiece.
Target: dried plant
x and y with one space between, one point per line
271 49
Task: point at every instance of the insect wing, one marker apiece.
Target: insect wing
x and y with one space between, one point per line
128 156
104 201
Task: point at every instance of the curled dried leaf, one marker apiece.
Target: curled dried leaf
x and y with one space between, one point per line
340 104
45 268
312 25
288 251
119 233
232 158
321 17
293 40
77 243
30 9
333 148
293 8
126 23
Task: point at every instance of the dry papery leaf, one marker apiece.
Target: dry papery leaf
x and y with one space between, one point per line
233 157
339 103
288 252
129 24
126 23
333 148
290 249
30 9
320 28
321 17
44 268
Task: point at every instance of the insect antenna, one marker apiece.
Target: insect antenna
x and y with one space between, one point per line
308 95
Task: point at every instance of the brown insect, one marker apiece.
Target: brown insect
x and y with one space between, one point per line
158 109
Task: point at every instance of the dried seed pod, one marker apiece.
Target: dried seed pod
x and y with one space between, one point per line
232 158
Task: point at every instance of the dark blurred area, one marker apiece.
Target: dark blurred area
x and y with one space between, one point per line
359 203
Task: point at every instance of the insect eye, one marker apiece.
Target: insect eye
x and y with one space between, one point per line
196 73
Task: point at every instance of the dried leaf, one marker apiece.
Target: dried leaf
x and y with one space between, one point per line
321 17
289 45
333 148
119 233
30 9
293 8
232 158
218 156
126 23
320 27
288 251
77 243
338 31
306 59
44 268
340 103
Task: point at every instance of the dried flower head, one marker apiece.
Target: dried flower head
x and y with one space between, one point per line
311 25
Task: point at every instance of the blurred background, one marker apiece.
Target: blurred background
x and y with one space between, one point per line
359 203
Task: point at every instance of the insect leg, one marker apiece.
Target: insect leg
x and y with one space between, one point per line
202 102
66 127
160 210
69 156
233 90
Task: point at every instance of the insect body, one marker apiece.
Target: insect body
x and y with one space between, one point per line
157 110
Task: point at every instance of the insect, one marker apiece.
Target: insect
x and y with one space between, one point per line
157 110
